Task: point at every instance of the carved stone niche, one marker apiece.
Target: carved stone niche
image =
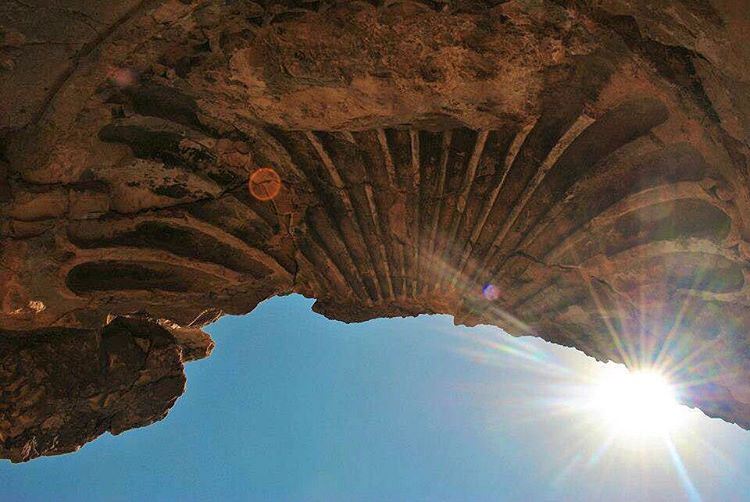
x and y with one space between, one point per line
583 162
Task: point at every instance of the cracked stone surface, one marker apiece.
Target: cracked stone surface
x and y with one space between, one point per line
63 387
587 159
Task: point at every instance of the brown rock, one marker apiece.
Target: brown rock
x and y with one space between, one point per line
60 388
589 160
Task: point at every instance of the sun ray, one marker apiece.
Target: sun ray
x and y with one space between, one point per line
619 345
679 465
684 305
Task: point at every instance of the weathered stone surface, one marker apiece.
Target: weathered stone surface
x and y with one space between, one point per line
60 388
589 160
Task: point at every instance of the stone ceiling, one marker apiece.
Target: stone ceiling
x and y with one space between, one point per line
574 170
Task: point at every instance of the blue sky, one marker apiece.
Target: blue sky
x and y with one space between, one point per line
293 406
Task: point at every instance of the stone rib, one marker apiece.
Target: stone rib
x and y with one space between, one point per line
489 204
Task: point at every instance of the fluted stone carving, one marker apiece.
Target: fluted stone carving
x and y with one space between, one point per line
572 170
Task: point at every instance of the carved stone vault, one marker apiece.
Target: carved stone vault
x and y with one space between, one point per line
574 170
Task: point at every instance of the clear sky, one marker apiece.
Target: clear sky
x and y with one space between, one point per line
292 406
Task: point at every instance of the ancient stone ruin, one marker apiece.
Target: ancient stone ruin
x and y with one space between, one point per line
570 169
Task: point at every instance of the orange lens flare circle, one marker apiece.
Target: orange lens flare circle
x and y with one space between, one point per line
264 184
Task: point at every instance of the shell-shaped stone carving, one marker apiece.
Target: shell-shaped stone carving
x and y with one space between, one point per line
556 171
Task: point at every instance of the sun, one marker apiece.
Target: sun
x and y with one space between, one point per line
636 405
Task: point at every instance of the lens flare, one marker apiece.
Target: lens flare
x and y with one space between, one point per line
490 292
264 184
638 404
